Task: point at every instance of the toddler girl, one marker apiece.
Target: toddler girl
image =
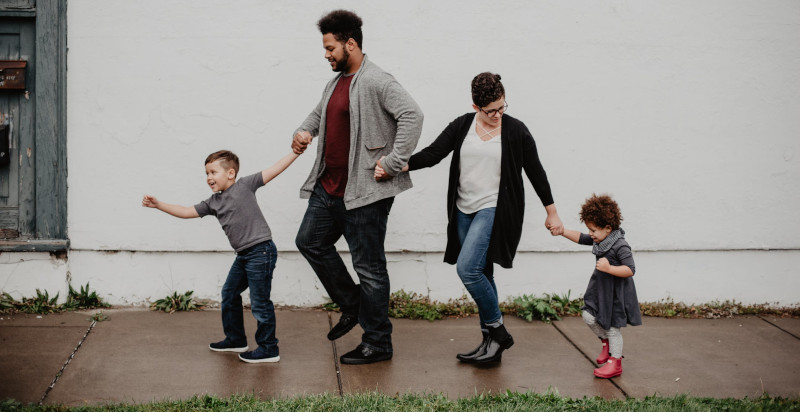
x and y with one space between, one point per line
610 300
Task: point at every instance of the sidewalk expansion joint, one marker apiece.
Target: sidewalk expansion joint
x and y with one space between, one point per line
336 358
790 333
69 359
625 394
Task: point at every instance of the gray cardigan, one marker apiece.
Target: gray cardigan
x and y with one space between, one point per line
384 121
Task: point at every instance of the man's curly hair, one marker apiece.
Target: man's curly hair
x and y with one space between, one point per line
601 211
486 88
343 24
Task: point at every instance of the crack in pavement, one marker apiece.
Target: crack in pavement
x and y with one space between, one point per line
587 357
69 359
336 358
773 324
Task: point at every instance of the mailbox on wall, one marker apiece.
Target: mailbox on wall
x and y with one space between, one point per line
12 74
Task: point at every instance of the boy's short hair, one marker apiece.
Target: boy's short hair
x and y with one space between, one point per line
343 24
601 211
487 88
227 159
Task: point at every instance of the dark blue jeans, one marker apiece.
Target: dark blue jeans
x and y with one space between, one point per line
252 268
364 228
477 275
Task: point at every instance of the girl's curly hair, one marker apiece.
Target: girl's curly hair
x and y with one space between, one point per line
486 88
601 211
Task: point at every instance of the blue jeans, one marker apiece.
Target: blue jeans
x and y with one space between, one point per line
252 268
477 275
364 228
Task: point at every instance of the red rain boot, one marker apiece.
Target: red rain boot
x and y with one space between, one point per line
603 356
611 369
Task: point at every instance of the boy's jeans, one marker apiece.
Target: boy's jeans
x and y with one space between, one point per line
474 233
252 268
364 229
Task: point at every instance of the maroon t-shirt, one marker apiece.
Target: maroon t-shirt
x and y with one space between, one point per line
337 139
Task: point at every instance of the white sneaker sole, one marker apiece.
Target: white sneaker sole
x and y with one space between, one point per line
237 350
264 360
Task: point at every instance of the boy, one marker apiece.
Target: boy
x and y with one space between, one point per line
235 206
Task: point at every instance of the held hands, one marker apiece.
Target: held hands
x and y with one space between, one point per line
554 225
603 265
300 141
380 173
149 201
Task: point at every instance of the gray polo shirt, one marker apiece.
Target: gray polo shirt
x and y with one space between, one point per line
237 211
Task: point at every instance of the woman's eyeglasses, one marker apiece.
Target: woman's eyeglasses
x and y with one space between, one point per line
491 113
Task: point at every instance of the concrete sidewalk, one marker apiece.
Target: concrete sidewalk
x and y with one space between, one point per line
138 356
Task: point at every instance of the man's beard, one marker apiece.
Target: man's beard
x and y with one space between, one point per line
341 64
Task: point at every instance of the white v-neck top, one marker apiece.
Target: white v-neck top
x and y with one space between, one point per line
479 180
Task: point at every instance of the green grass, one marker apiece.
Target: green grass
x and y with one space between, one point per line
510 401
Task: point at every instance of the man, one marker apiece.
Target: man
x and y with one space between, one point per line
365 116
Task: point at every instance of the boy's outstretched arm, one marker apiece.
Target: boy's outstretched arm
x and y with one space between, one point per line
276 169
572 235
183 212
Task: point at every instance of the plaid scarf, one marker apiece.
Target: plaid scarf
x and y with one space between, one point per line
599 249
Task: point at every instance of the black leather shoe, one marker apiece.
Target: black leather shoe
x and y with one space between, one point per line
363 355
345 324
469 357
499 340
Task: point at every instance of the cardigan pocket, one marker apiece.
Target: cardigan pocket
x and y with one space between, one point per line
371 155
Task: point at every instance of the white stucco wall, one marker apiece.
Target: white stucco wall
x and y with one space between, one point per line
686 112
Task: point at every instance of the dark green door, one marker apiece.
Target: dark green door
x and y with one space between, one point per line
17 169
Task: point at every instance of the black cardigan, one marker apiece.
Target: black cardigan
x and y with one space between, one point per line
518 152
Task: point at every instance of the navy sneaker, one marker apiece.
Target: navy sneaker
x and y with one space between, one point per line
226 346
258 356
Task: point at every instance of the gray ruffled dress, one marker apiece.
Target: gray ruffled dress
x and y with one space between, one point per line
610 299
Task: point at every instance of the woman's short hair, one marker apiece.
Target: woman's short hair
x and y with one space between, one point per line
601 211
487 88
227 159
343 24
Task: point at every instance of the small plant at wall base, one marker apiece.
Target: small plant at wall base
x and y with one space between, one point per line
546 309
413 306
42 303
177 303
84 299
7 303
331 307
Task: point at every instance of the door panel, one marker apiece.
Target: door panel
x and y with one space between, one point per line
17 186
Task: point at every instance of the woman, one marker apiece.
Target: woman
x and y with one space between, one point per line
486 201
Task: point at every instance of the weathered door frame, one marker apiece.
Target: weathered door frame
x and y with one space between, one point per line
50 96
